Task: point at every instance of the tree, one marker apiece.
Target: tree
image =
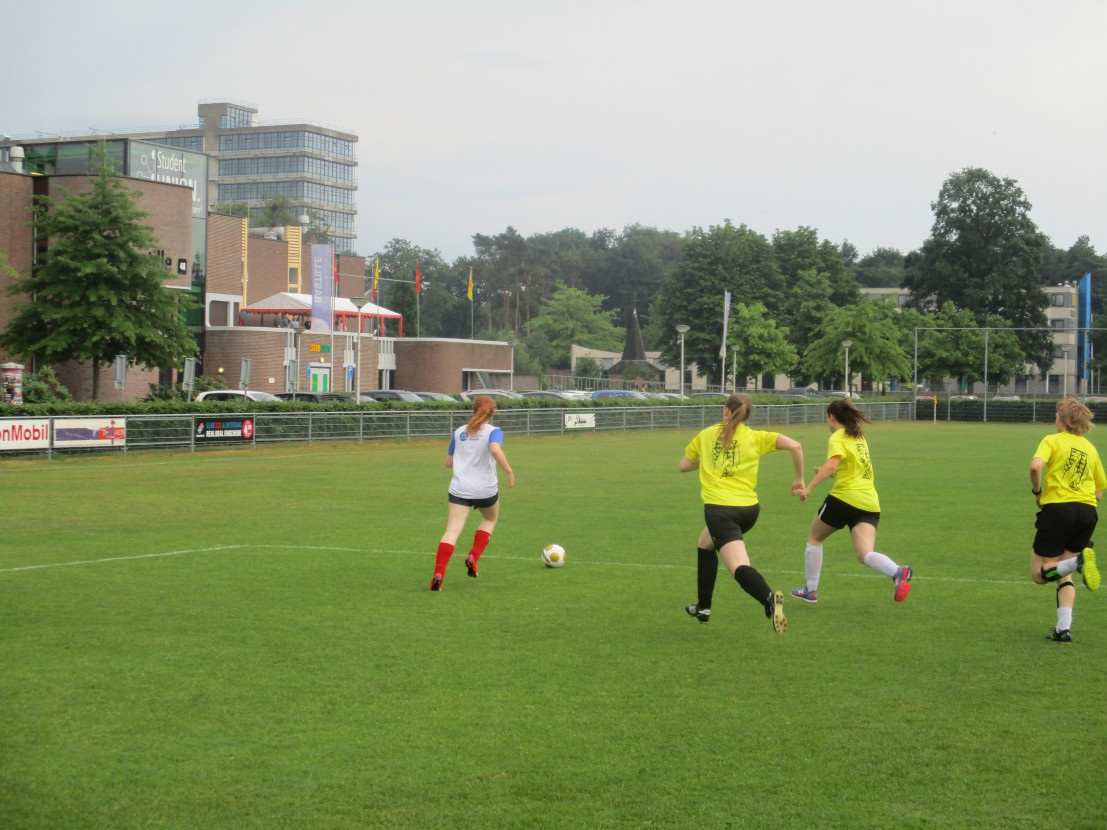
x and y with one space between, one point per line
874 348
883 268
97 291
275 213
956 348
983 255
722 258
572 316
429 316
760 346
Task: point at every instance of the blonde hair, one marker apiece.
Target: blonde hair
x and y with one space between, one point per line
483 410
739 407
1074 416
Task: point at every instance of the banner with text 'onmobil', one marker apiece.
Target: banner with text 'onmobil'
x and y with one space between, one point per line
322 285
24 433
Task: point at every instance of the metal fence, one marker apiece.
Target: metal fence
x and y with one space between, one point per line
186 431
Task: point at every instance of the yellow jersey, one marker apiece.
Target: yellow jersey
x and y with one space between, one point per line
1073 469
854 480
728 475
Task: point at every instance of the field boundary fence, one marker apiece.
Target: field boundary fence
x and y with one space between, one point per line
199 432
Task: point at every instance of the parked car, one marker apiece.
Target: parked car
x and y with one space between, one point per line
963 397
313 397
608 394
383 395
473 394
436 396
1095 400
1007 398
801 392
547 393
235 395
838 394
716 396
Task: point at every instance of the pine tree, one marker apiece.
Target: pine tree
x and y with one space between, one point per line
97 291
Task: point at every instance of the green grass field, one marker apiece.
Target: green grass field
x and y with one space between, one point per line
246 640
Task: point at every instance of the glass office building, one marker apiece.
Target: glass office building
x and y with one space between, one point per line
313 167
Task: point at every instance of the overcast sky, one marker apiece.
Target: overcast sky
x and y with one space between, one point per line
474 115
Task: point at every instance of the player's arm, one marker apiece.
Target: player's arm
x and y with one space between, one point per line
501 459
824 472
1036 466
783 442
687 464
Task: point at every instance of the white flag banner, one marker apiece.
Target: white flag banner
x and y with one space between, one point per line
726 321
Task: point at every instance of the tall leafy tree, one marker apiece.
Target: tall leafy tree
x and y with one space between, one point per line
883 268
983 255
757 346
396 288
801 250
875 350
720 259
571 316
97 291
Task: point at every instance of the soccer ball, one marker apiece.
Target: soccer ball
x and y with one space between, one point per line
553 556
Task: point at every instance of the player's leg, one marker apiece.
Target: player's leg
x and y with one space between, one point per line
707 570
813 560
489 516
455 523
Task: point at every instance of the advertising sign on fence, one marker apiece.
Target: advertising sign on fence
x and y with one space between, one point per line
580 420
225 430
89 432
24 433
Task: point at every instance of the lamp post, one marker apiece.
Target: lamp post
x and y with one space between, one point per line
734 367
359 303
847 344
683 330
1064 373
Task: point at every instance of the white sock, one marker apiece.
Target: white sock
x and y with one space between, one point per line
1068 566
1064 619
881 564
813 565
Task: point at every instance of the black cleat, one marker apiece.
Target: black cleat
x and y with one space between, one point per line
703 615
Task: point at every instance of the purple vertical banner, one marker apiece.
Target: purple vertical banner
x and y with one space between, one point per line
322 276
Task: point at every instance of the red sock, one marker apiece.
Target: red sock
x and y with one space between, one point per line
442 558
480 542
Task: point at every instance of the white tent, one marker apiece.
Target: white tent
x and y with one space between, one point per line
299 306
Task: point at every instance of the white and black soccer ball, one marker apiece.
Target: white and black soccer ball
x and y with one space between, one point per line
553 556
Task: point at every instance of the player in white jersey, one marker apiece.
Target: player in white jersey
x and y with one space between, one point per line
475 450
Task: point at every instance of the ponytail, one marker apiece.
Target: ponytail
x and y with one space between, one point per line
739 407
849 416
483 410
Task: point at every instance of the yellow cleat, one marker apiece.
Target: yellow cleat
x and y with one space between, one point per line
1089 570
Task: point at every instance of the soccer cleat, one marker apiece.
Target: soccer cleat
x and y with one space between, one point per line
1089 570
694 610
436 583
806 594
902 581
471 566
775 610
1059 636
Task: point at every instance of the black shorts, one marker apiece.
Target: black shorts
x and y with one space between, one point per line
1063 526
727 523
476 504
838 514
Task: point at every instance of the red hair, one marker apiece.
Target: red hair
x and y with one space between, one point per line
483 410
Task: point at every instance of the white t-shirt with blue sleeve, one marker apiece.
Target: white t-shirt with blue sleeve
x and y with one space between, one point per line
474 467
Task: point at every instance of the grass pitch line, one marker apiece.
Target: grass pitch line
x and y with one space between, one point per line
119 558
495 558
